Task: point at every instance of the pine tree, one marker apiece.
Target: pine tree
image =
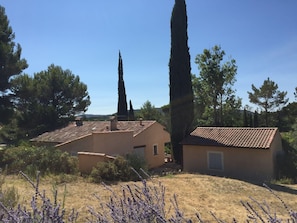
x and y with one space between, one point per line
268 98
131 112
122 113
216 79
49 99
181 92
11 64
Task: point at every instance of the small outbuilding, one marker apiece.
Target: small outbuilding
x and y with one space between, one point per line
243 153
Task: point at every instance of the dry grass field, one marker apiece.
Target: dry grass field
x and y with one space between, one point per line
195 193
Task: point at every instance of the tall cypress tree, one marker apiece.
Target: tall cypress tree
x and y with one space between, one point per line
256 120
245 118
131 112
181 92
11 64
251 123
122 113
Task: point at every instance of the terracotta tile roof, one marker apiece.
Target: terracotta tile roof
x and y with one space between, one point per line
257 138
72 131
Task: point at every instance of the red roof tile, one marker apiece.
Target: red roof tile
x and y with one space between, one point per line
257 138
72 131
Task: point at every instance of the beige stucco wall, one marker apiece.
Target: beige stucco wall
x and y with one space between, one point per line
113 143
258 164
154 135
83 144
98 147
89 160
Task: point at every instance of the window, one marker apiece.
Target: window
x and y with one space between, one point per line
215 160
155 149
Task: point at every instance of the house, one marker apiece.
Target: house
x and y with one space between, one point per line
95 141
244 153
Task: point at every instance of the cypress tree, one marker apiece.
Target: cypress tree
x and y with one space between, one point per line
181 92
256 119
245 118
251 123
11 65
131 112
122 112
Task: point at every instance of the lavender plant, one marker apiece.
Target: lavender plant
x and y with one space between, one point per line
42 210
137 203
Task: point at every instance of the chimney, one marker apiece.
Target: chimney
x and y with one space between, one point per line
113 123
140 121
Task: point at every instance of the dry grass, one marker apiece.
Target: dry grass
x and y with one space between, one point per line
195 193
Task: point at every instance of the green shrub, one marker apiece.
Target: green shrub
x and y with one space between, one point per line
29 159
137 162
284 180
123 168
104 171
67 164
120 169
167 148
287 162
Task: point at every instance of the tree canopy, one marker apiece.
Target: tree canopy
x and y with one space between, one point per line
181 92
150 112
11 65
49 99
215 100
268 97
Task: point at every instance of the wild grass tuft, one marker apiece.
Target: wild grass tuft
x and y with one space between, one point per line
8 196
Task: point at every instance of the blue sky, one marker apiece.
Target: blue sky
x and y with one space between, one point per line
86 36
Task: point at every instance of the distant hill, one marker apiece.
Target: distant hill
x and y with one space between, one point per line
96 117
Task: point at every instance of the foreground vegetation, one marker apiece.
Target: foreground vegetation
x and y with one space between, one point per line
171 198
